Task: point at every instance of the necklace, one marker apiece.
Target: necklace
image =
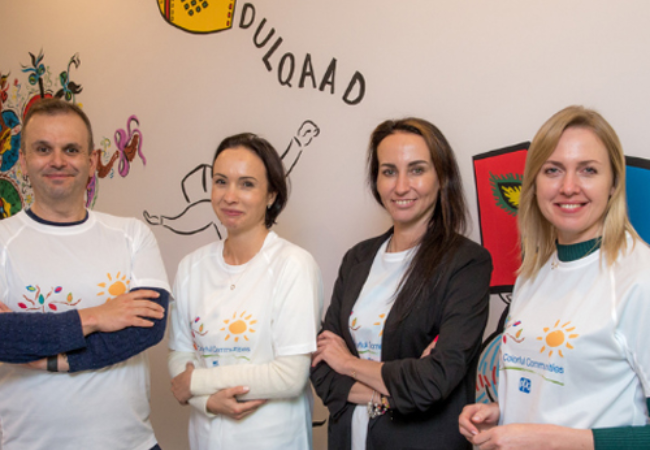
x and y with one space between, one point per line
555 263
233 285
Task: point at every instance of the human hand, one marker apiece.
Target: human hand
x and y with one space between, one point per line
430 347
4 308
331 349
181 384
225 402
478 417
126 310
532 437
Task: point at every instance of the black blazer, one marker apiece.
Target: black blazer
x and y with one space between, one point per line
426 395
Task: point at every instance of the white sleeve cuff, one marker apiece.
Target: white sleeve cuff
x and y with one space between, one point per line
284 377
176 361
200 403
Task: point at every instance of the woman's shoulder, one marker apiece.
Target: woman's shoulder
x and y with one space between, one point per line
636 248
633 263
367 248
632 283
468 250
199 256
282 251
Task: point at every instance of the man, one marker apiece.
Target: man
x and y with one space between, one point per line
58 257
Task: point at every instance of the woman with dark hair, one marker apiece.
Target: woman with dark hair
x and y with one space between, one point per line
397 356
245 314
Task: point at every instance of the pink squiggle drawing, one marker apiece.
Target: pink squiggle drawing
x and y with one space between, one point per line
129 143
91 191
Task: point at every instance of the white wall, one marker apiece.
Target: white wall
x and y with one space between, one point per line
487 73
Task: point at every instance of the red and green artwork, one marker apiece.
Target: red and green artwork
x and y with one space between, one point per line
499 175
35 300
36 81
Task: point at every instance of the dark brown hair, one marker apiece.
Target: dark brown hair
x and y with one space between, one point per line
275 174
448 220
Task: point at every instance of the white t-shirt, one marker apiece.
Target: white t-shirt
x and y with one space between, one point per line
575 348
369 316
274 310
45 268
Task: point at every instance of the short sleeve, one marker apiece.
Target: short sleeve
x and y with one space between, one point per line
634 333
180 338
147 264
297 303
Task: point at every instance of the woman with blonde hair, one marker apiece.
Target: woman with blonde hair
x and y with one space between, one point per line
577 376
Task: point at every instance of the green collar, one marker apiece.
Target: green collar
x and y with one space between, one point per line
572 252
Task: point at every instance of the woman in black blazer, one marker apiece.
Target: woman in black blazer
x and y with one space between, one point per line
397 356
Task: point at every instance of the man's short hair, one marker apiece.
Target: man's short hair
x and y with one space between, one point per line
54 107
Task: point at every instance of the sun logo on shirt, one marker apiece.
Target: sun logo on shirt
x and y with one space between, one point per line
239 325
557 336
114 286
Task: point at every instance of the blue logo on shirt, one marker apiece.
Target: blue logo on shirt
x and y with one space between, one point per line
524 385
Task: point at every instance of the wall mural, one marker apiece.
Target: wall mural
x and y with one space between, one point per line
210 16
498 173
16 97
129 144
197 214
498 176
198 16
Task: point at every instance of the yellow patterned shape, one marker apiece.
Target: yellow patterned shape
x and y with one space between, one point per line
198 16
513 194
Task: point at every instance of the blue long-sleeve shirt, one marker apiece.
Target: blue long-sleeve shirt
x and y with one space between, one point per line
26 337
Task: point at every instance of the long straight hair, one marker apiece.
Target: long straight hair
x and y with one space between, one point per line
538 235
448 220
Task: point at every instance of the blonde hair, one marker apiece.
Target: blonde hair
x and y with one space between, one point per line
537 234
